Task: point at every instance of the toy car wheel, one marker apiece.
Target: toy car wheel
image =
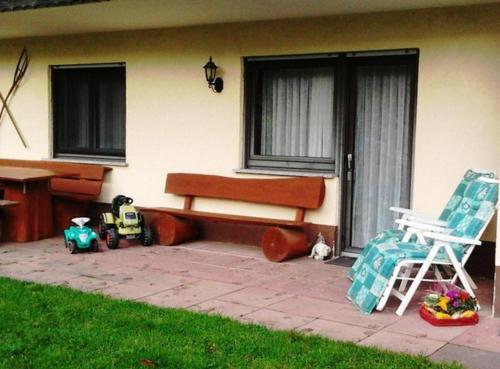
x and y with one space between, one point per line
102 228
141 219
112 238
146 236
94 246
71 246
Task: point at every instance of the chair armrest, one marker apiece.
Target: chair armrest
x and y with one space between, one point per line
428 220
410 213
405 211
448 238
422 226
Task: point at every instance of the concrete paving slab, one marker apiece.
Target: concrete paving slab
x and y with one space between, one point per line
130 291
336 331
87 284
412 324
226 308
403 343
333 311
191 294
470 358
276 319
255 296
484 336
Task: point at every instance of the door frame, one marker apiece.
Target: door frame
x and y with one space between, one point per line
347 86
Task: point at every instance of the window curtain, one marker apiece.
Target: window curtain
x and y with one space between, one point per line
110 108
297 112
381 157
72 108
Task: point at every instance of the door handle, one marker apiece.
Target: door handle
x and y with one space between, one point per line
349 167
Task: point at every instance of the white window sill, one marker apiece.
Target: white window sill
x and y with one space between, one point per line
286 173
82 160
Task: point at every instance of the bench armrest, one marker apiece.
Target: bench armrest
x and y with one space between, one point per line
448 238
422 226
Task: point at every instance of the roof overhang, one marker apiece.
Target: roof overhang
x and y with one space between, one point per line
120 15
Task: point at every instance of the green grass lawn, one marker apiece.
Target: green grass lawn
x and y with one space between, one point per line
54 327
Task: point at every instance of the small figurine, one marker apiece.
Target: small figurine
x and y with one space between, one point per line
80 237
321 251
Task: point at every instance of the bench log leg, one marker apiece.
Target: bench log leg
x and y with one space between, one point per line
169 230
279 244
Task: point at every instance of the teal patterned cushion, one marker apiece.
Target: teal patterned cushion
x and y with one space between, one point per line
475 210
374 273
386 236
458 194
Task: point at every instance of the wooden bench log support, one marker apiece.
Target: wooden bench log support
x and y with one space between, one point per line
286 239
169 230
279 244
72 194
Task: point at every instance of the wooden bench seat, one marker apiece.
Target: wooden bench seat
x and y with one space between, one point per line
283 240
72 193
230 218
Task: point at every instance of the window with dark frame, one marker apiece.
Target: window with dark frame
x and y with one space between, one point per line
89 111
297 108
290 113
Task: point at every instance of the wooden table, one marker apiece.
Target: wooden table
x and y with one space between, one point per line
31 219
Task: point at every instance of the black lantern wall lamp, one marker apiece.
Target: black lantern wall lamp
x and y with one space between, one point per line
214 82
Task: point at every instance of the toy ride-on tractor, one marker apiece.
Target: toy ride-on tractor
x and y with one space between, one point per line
81 237
124 221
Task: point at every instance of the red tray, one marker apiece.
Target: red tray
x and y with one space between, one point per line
427 315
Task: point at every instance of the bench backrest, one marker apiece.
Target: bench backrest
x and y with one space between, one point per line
301 192
84 183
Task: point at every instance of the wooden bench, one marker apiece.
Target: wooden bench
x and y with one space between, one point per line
85 183
72 194
284 240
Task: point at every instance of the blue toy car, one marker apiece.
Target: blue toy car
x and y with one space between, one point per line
80 237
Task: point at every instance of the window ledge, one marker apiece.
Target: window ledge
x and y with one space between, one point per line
82 160
284 173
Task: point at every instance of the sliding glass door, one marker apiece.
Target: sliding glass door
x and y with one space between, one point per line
377 171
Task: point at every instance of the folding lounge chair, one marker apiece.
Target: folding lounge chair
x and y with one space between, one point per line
419 221
388 262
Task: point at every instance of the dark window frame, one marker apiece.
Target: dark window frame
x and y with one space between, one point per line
93 151
253 68
342 62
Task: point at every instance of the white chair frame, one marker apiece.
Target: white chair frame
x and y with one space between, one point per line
428 228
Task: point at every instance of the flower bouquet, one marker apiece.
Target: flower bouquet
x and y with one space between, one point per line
449 306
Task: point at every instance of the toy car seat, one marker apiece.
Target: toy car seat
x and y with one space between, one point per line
117 202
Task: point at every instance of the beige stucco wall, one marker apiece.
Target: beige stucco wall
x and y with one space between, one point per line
174 123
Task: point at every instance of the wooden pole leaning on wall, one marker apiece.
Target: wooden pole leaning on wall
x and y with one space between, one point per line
279 244
169 230
21 68
14 123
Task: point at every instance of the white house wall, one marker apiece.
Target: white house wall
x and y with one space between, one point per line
176 124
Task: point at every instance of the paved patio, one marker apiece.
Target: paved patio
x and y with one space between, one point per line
237 281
